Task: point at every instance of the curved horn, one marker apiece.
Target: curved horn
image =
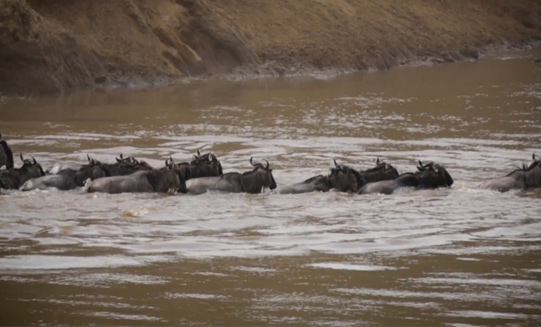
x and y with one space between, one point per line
212 157
252 161
336 163
267 166
421 163
34 159
21 155
198 153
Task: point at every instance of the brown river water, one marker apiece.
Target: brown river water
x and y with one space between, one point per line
462 256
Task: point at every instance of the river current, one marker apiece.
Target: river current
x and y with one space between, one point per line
462 256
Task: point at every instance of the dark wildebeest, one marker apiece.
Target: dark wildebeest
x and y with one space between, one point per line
317 183
250 182
67 179
6 156
527 177
429 175
13 178
205 165
345 179
382 172
162 180
124 166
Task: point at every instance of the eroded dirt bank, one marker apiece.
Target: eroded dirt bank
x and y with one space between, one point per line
49 46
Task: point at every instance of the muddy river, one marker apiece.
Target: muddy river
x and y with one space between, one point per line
462 256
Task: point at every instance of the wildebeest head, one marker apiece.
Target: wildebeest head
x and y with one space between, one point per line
171 178
6 156
432 175
382 171
260 177
345 179
31 167
532 173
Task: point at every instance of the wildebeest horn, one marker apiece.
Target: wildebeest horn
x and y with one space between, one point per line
198 153
34 159
267 166
421 163
377 161
336 163
252 161
212 157
21 155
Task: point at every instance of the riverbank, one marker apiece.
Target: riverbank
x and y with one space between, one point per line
55 46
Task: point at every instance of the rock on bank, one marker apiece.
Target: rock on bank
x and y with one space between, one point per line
50 46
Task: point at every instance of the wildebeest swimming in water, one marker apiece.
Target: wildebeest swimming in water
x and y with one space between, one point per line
6 156
249 182
206 165
429 175
527 177
13 178
345 179
383 171
162 180
68 179
317 183
342 178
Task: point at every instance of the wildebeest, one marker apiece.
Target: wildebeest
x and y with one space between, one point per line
383 171
430 175
250 182
161 180
13 178
345 179
6 156
206 165
123 166
317 183
527 177
67 179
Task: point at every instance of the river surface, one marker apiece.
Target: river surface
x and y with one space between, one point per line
462 256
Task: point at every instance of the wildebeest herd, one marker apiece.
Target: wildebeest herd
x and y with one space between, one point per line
204 173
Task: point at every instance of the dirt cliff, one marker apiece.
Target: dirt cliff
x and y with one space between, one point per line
50 46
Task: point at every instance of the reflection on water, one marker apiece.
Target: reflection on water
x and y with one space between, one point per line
460 256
